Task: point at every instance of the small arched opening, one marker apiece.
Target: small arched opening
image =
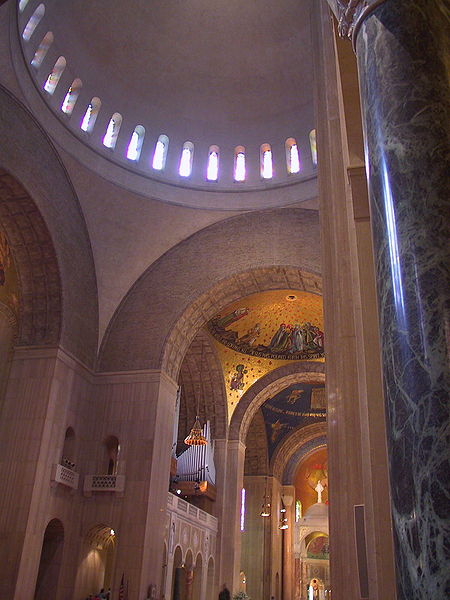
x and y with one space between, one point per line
50 561
90 116
178 579
212 171
186 160
112 449
54 77
160 154
42 50
313 146
292 156
135 145
266 163
198 577
33 22
96 568
210 579
71 97
68 453
239 164
112 131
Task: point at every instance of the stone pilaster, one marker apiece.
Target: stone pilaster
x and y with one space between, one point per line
342 389
41 400
139 407
230 553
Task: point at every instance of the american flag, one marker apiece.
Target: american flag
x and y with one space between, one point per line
123 589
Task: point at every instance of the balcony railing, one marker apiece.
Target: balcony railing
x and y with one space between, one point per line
191 512
65 476
103 483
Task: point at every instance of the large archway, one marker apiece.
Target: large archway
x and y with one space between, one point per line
269 385
40 214
267 544
96 567
50 562
157 334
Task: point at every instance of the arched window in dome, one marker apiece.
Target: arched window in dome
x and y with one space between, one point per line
33 22
239 163
55 75
212 170
112 132
136 141
292 156
266 161
160 155
71 97
90 116
313 145
187 157
23 5
42 50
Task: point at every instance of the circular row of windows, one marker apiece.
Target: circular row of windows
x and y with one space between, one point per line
134 147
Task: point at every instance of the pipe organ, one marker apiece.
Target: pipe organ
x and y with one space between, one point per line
197 462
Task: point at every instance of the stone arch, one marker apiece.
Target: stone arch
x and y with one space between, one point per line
267 386
257 451
97 559
294 447
246 254
45 227
50 561
201 380
10 318
40 307
8 339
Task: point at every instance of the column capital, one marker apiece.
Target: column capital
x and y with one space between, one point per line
350 14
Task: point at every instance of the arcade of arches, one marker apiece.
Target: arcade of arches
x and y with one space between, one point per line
292 316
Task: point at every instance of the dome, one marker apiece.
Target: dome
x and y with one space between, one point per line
316 511
197 77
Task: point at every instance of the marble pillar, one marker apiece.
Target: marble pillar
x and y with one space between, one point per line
402 51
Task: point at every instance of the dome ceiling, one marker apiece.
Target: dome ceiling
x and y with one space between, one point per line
213 67
195 77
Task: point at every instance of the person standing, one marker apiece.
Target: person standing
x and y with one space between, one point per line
225 593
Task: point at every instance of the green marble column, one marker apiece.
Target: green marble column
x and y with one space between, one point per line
402 48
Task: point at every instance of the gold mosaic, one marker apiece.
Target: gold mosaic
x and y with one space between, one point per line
263 331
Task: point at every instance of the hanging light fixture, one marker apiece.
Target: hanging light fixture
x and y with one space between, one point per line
265 508
283 519
196 437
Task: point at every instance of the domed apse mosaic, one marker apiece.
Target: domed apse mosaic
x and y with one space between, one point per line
312 469
296 406
264 331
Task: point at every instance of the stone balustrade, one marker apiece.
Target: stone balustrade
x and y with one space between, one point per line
103 483
65 476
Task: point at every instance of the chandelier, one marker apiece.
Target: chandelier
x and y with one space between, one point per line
196 437
265 507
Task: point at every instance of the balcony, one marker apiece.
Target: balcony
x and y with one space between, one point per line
104 483
65 476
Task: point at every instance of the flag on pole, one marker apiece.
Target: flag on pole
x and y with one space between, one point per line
122 589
